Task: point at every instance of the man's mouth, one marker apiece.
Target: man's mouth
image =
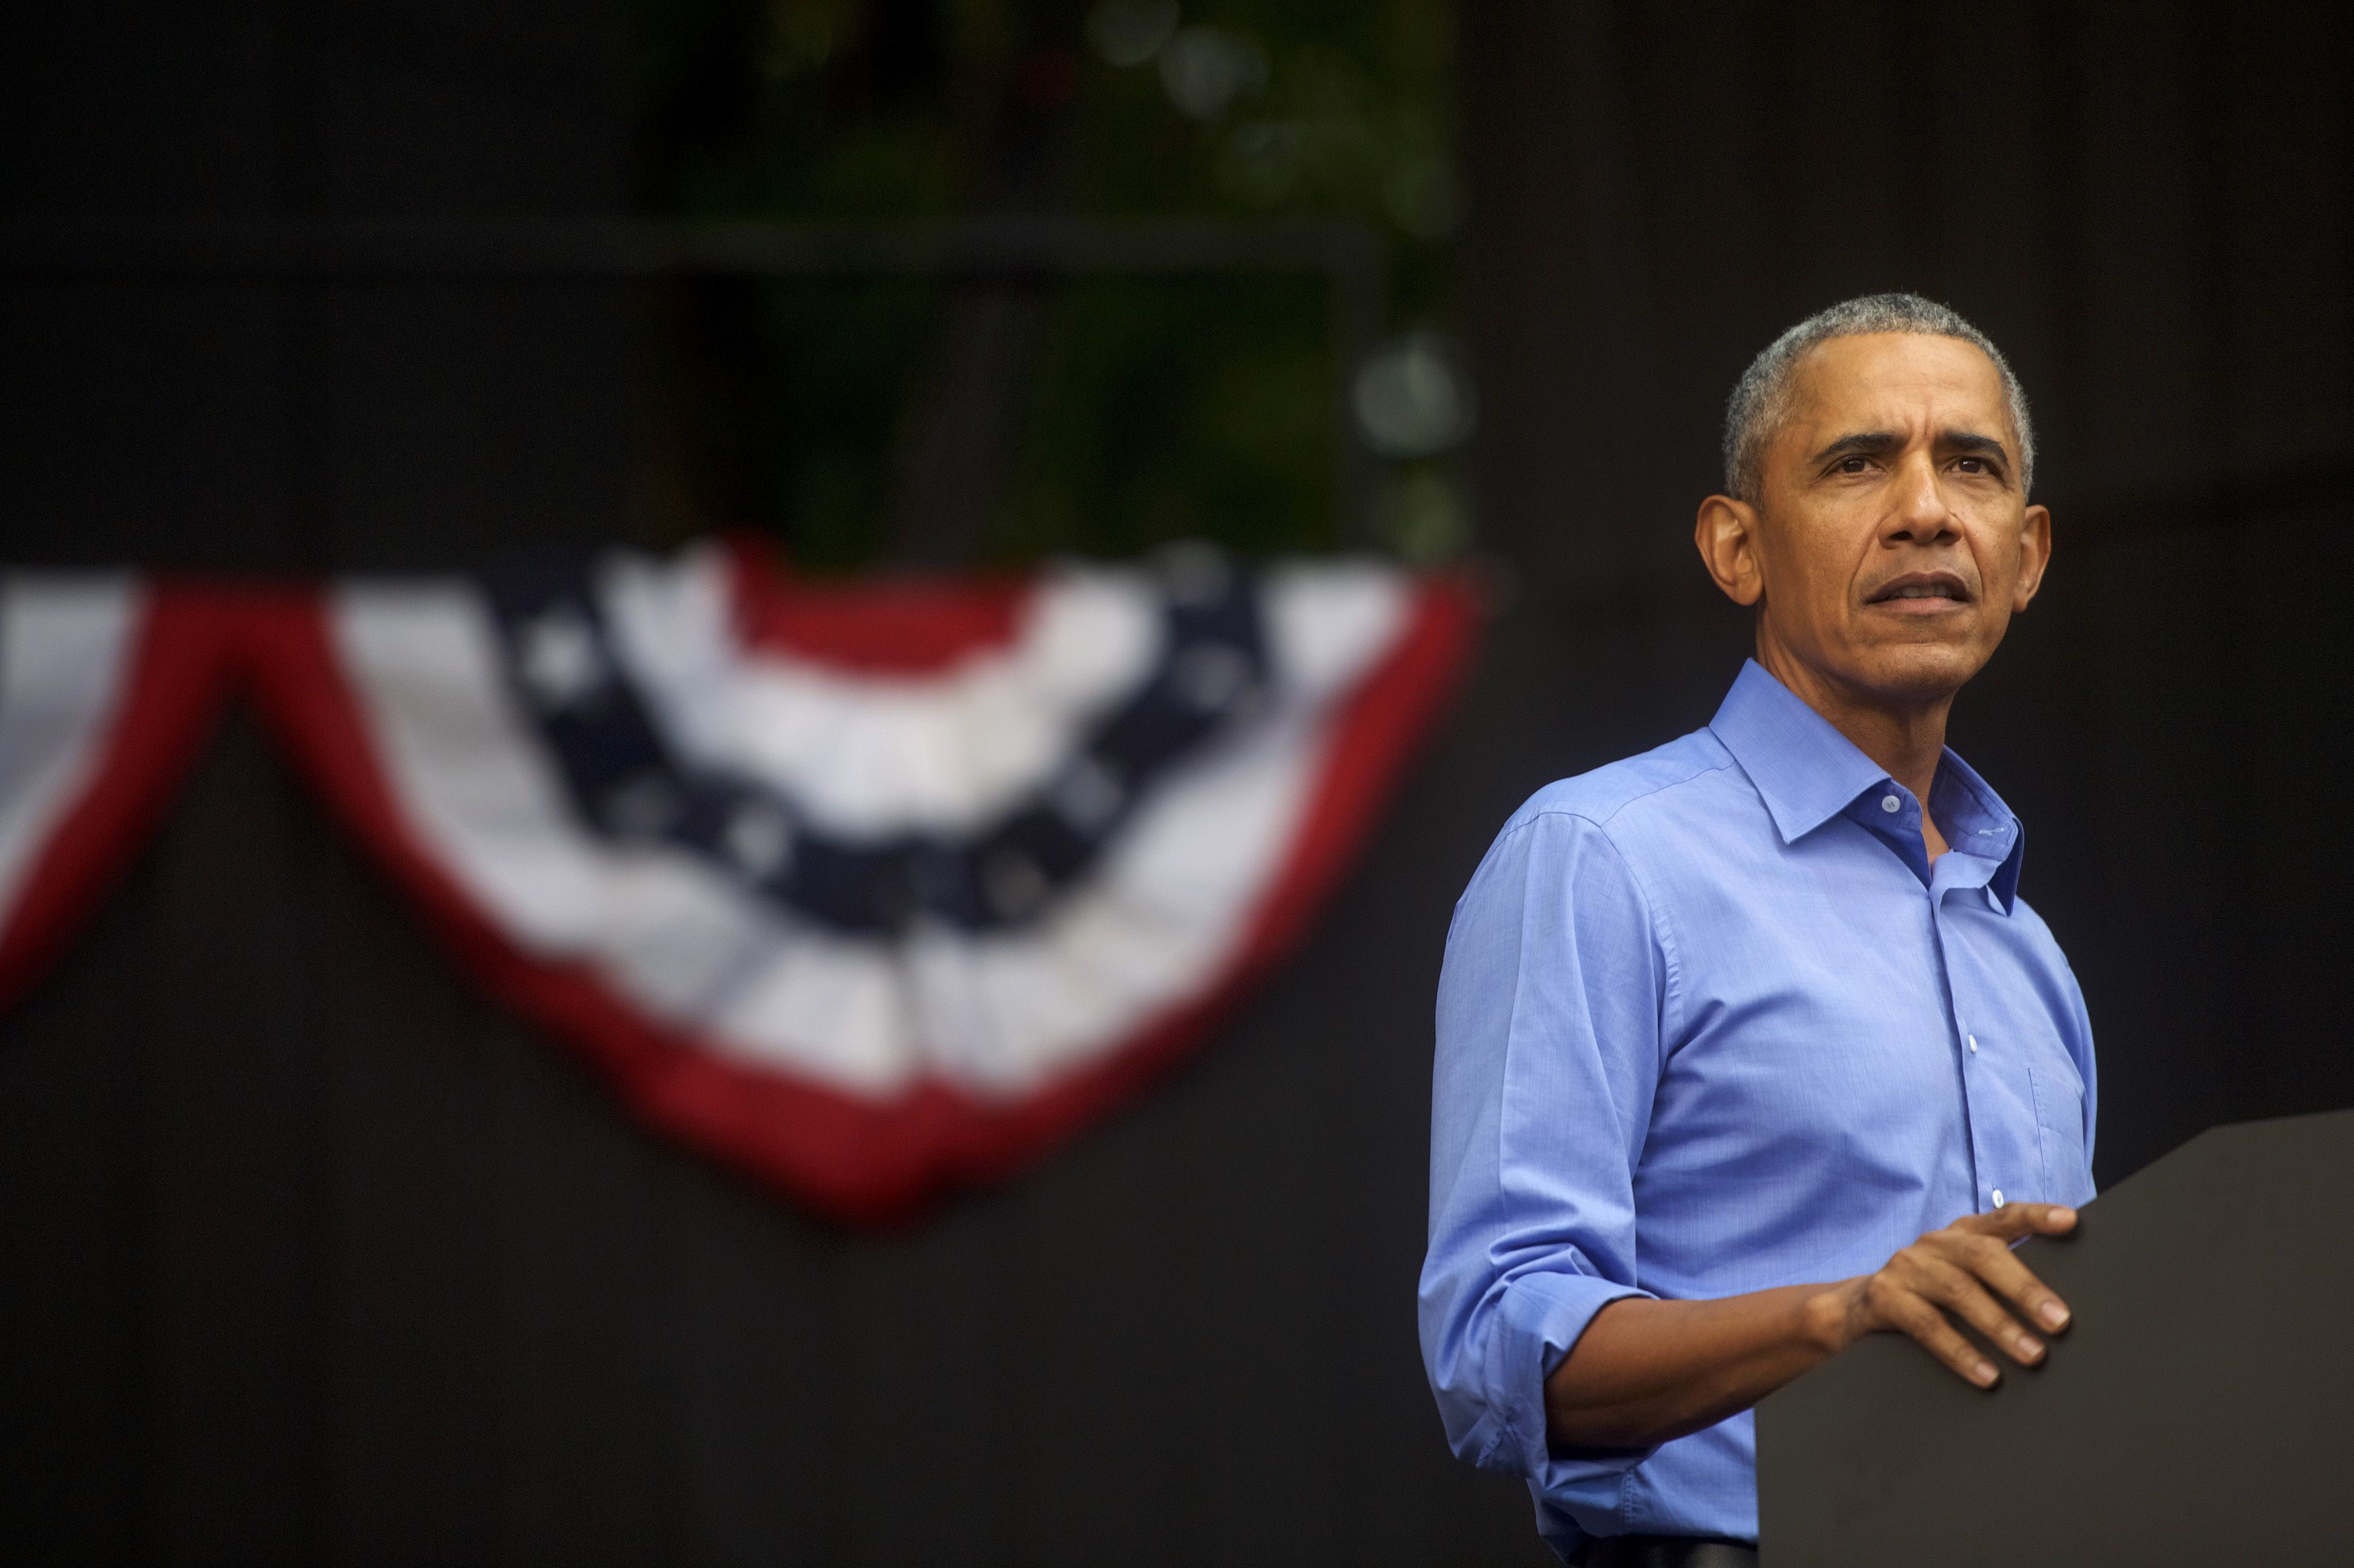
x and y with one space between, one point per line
1938 588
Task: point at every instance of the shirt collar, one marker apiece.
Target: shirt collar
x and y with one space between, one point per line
1807 772
1976 822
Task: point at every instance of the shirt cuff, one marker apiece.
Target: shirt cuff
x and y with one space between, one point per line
1538 1318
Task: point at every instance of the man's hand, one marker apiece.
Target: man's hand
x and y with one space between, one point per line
1644 1371
1966 1269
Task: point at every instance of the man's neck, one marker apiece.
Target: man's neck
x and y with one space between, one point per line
1907 739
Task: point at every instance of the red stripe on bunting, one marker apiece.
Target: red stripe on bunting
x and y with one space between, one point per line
859 1159
175 678
878 626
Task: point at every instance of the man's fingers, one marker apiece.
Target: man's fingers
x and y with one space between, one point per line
2013 1221
2000 1268
1959 1292
1941 1340
1968 1269
1985 1254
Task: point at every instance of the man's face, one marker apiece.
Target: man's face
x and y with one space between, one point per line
1891 542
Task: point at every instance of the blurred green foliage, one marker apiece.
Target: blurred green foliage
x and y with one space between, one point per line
1151 409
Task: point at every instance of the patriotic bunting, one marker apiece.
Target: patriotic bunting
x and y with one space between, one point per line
872 890
106 689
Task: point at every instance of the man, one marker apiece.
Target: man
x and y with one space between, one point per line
1748 1046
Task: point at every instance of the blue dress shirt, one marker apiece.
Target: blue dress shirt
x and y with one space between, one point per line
1711 1022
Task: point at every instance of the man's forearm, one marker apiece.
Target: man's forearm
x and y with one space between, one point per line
1645 1372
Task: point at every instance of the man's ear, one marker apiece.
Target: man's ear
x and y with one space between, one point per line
2034 554
1726 533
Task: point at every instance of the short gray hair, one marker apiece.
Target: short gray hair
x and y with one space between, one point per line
1761 399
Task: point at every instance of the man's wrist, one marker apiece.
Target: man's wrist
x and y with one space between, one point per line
1828 1316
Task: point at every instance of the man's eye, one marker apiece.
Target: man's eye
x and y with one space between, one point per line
1852 465
1972 465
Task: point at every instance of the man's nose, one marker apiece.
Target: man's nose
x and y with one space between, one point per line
1921 514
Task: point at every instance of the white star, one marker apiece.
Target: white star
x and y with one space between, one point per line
1014 883
1089 795
560 658
1211 675
643 808
758 838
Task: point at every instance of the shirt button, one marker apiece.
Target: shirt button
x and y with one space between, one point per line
1997 1197
1974 1044
1891 803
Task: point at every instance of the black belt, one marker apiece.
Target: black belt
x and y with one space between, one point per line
1666 1551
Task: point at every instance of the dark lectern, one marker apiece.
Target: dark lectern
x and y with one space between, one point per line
2199 1409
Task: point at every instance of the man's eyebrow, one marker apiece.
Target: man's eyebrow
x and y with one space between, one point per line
1971 441
1879 443
1864 443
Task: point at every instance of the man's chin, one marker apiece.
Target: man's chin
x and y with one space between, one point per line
1916 673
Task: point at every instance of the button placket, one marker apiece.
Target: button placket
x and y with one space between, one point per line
1984 1075
1982 1163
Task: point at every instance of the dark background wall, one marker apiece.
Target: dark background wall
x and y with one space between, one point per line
307 1253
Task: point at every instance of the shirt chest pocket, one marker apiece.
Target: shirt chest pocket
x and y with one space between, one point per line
2059 1098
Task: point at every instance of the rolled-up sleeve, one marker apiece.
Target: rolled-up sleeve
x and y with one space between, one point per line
1550 1009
